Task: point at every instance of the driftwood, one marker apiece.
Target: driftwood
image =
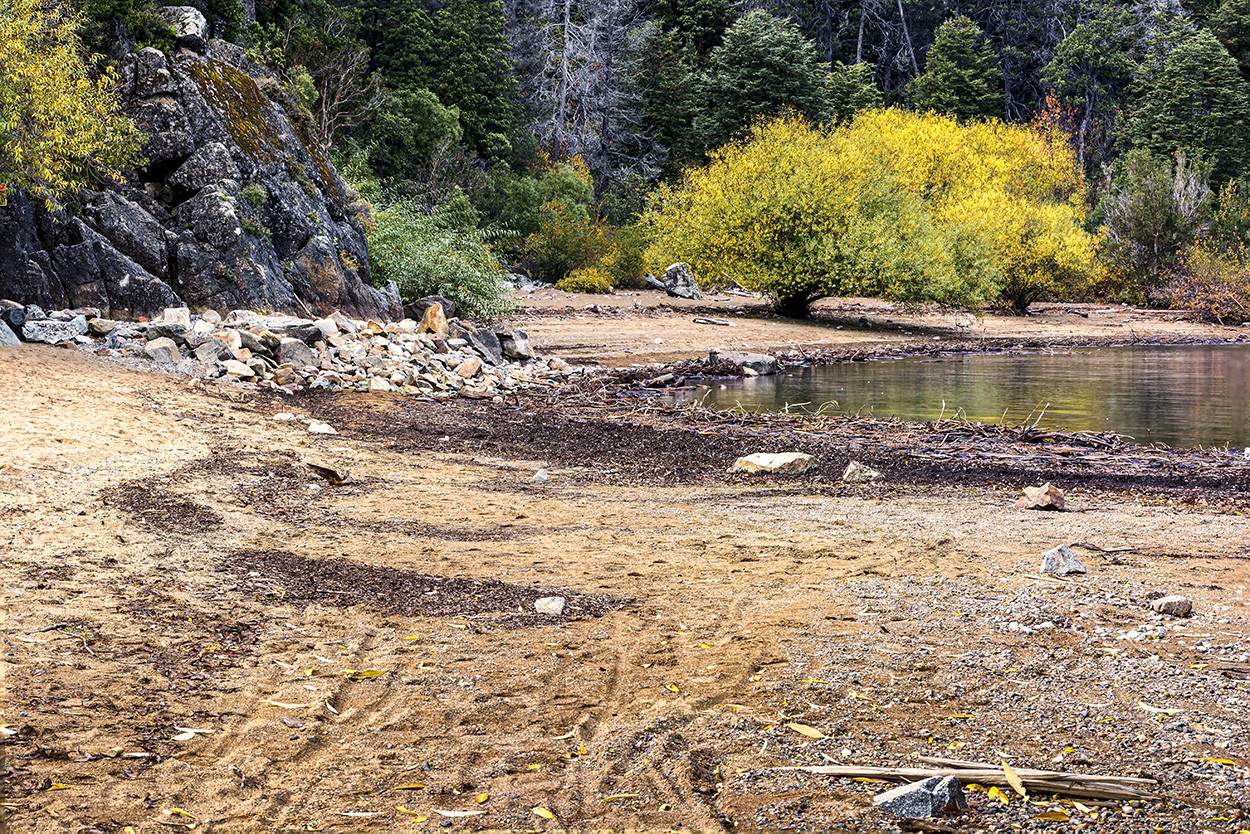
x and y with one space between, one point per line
1084 785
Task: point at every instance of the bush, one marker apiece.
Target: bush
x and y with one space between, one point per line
436 253
1214 284
899 205
254 194
567 239
589 279
626 259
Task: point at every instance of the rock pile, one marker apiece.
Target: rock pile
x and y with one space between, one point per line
435 357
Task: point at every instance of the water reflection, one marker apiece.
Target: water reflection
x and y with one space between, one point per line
1181 396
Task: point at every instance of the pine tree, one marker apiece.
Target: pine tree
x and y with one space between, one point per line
667 88
764 66
1231 24
852 89
961 77
1197 102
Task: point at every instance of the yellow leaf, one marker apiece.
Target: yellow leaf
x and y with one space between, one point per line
534 767
178 812
1053 816
481 798
363 674
581 750
59 787
539 811
1013 779
419 816
619 796
1217 761
804 730
672 687
1084 809
957 715
415 786
413 637
995 793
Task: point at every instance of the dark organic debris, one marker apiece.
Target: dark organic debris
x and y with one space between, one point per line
290 578
161 509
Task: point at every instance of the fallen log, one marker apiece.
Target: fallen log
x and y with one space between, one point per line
1081 785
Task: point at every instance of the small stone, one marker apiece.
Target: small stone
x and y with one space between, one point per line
550 606
237 368
321 428
1061 561
284 416
163 350
434 320
469 368
762 364
102 327
784 463
1173 606
929 798
1046 497
858 473
541 476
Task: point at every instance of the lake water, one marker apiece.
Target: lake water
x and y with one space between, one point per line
1185 395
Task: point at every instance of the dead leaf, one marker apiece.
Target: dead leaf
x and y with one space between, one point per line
1053 816
415 786
285 705
619 796
360 813
546 814
804 730
363 674
1013 779
334 477
481 798
1217 761
995 793
419 816
178 812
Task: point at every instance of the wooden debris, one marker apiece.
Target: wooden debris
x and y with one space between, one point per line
334 477
1092 786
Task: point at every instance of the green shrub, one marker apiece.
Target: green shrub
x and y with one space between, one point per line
567 239
626 259
254 194
589 279
434 253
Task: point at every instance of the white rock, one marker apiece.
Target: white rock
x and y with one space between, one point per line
550 606
784 463
1173 606
237 368
541 476
321 428
858 473
176 316
284 416
1061 561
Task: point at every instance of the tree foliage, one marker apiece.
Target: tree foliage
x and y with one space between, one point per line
899 205
961 76
59 126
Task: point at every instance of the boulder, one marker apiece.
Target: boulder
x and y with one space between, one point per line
163 351
53 332
214 350
434 321
7 337
858 473
469 368
784 463
678 281
1046 497
190 26
1173 606
761 364
102 327
514 344
297 353
550 606
237 368
1061 561
932 797
415 310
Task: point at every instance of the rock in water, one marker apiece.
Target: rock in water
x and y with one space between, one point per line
550 606
163 350
929 798
1045 497
1061 561
857 473
1173 606
784 463
434 321
761 363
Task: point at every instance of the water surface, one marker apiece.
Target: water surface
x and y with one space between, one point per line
1185 395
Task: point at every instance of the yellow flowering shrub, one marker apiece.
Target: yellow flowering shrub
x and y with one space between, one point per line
894 204
58 125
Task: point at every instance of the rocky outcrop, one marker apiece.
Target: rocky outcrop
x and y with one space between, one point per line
233 208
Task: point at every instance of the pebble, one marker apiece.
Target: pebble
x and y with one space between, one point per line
321 428
858 473
541 476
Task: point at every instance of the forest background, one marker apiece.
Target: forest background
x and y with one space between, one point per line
968 153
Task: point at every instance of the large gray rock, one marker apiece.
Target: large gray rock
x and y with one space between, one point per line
189 25
758 363
7 337
178 231
53 332
1173 606
929 798
678 281
514 344
163 351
